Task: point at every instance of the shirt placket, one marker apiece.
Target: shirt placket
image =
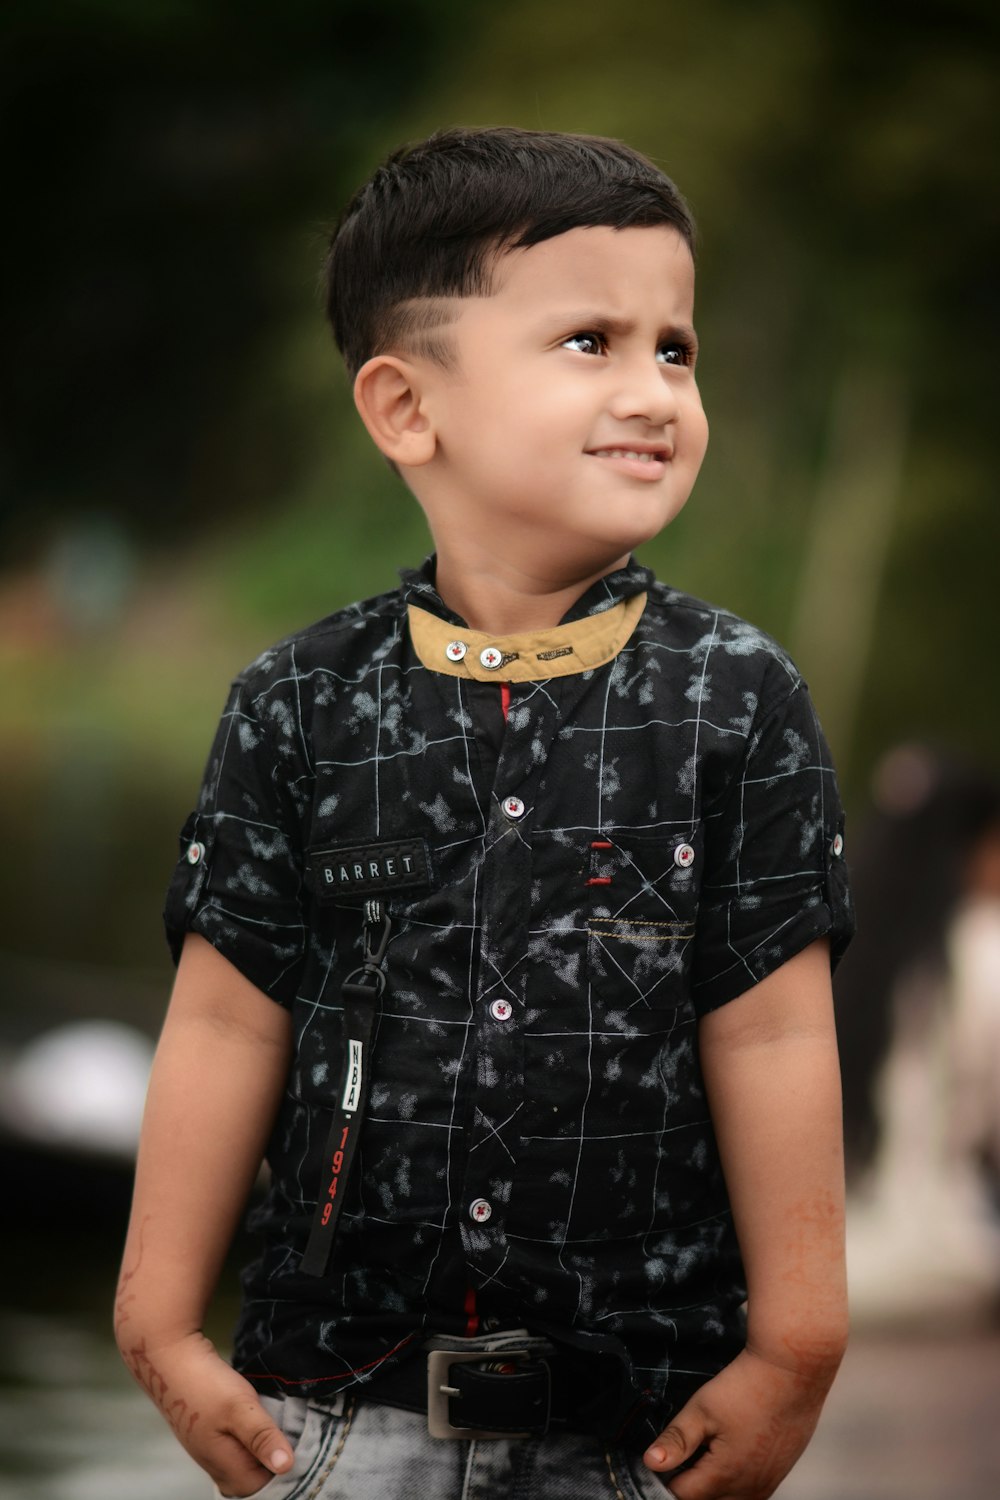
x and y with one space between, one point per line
497 1091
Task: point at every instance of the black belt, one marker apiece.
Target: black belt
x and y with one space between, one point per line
515 1392
511 1385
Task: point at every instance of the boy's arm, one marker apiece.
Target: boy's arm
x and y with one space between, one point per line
220 1067
771 1071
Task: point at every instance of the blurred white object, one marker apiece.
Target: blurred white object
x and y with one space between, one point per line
975 962
81 1086
923 1238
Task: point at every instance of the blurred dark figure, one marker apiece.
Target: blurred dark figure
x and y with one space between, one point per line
931 842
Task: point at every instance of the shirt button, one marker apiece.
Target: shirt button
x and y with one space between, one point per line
501 1010
513 807
455 650
195 853
683 856
838 845
491 657
479 1210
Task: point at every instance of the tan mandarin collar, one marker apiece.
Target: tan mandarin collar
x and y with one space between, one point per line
528 656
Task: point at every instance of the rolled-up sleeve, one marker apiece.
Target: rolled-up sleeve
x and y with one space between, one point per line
775 874
238 878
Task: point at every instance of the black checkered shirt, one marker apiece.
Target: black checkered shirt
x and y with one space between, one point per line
641 841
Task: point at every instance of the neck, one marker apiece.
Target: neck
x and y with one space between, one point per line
501 599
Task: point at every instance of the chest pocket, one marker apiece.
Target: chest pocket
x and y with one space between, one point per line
641 919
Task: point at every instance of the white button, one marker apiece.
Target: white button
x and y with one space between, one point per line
683 856
480 1210
455 650
491 657
838 844
501 1010
513 807
195 853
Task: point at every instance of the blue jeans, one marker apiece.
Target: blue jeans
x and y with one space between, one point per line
352 1449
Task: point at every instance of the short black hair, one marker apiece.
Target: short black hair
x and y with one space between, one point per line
435 218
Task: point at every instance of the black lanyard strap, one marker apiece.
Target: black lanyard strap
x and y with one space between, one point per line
362 992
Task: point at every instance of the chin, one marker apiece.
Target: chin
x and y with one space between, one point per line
581 555
625 542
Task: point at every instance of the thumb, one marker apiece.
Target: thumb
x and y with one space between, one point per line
259 1434
677 1442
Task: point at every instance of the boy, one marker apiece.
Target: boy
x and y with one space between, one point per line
505 921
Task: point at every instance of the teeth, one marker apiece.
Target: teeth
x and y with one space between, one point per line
644 458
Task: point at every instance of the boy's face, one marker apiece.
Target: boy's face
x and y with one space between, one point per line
569 424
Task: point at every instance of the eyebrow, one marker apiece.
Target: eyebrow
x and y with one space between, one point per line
621 327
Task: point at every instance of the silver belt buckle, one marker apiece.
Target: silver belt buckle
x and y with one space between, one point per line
439 1392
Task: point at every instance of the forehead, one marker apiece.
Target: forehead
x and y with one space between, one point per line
615 270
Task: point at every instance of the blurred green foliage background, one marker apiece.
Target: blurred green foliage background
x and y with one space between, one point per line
183 479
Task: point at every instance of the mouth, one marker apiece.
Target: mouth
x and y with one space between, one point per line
641 455
640 463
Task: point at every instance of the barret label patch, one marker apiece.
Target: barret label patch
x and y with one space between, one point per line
553 655
357 870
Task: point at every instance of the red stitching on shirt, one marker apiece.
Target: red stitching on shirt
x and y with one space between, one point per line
472 1317
505 699
600 879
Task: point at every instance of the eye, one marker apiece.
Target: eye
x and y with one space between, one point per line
677 352
585 343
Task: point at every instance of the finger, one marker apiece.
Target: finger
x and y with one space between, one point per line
677 1442
705 1480
252 1427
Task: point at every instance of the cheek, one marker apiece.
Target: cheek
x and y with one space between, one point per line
504 415
535 423
696 430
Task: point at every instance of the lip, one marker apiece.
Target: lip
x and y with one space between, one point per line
621 457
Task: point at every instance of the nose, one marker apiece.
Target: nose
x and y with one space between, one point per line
644 390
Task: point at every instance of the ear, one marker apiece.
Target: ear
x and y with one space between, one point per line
389 397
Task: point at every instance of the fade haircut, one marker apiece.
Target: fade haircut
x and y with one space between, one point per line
438 215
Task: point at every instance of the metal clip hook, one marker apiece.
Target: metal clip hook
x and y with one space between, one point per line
374 914
368 980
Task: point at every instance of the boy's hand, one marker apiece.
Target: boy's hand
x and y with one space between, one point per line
214 1412
213 1094
754 1419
